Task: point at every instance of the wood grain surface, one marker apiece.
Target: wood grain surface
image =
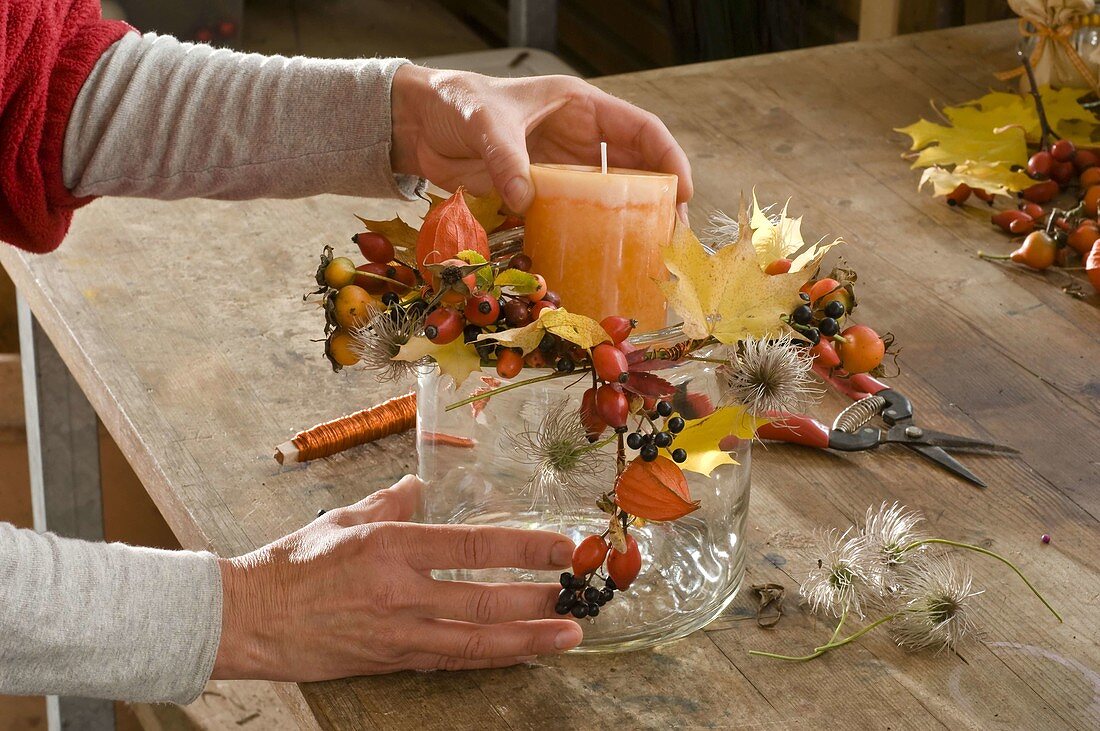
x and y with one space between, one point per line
184 323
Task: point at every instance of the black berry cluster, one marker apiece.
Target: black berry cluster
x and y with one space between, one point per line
579 598
813 324
649 444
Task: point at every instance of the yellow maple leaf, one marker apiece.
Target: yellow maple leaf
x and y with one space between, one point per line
995 179
996 128
701 437
485 209
582 331
782 239
577 329
455 359
401 235
726 294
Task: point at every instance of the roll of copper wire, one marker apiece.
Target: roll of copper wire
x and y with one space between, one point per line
324 440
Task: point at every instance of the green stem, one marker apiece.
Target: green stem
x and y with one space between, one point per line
991 554
599 445
836 632
509 387
828 647
994 257
701 359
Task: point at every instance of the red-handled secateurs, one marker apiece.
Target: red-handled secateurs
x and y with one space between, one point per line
850 433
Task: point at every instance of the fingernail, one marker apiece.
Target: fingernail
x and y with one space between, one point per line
562 553
515 192
682 210
568 638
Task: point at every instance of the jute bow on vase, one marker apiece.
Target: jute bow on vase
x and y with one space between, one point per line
1055 60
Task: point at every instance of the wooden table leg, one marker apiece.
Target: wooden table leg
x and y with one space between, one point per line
63 444
533 23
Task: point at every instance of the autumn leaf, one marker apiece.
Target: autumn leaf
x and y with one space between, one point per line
783 239
526 338
656 490
994 179
486 209
401 235
577 329
484 274
455 359
582 331
996 129
516 281
701 437
648 384
726 294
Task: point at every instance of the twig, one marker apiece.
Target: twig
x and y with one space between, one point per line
1044 125
509 387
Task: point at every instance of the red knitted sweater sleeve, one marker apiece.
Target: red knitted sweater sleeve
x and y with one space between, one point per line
47 50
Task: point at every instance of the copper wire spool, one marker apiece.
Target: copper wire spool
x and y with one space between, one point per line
392 417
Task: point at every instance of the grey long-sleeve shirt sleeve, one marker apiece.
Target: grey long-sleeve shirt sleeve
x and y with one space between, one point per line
162 119
158 118
105 620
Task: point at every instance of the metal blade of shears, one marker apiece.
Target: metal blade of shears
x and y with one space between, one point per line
909 434
945 460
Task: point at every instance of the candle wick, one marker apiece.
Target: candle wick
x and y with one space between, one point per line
603 158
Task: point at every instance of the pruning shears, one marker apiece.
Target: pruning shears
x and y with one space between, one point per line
850 431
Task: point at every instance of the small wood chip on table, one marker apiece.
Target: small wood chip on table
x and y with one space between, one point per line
197 392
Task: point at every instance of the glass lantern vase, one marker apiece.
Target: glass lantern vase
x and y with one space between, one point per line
691 568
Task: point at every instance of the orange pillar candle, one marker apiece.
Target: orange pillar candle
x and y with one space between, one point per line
596 238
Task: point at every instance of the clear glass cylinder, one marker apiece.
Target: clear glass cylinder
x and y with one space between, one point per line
692 567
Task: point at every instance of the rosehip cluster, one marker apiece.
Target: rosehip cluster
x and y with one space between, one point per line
578 595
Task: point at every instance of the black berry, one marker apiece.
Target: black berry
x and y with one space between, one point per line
835 309
580 611
828 327
803 315
549 343
679 456
606 595
812 334
610 584
634 440
663 439
593 610
566 596
591 594
565 365
577 583
389 299
470 333
664 408
649 453
566 579
676 425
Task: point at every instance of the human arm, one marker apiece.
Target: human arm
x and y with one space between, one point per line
348 594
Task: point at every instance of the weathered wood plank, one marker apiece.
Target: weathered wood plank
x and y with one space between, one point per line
199 376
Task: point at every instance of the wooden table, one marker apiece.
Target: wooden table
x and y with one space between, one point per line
184 325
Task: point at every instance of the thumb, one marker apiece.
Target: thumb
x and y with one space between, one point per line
509 166
396 503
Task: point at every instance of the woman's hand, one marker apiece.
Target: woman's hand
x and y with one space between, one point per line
457 128
352 594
